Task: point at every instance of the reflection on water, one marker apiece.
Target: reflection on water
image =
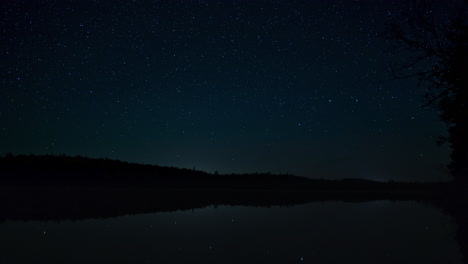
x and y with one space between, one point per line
328 232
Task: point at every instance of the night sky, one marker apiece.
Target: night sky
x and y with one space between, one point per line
234 86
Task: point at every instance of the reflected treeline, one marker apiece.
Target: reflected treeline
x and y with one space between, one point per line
456 206
76 202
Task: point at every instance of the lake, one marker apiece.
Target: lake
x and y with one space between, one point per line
317 232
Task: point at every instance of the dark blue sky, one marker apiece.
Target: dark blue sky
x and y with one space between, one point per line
233 86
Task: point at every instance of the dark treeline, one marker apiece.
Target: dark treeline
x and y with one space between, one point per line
61 169
52 169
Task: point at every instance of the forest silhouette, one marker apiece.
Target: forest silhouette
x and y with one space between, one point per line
78 170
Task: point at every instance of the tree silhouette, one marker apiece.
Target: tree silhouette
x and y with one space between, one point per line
435 47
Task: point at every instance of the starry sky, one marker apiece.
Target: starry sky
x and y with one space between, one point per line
235 86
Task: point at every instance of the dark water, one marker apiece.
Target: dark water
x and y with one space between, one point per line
325 232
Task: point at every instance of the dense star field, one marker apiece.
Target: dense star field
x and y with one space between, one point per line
295 87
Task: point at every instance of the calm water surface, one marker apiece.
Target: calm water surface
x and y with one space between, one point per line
329 232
